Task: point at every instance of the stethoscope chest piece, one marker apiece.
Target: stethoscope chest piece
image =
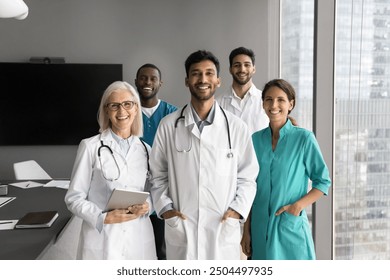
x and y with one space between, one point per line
229 155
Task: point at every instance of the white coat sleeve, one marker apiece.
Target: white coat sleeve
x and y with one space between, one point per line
247 172
159 170
80 183
148 184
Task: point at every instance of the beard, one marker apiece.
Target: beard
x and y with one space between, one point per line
201 97
242 82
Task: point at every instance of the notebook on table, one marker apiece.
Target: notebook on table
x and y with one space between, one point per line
42 219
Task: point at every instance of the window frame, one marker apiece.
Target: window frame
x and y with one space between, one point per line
323 107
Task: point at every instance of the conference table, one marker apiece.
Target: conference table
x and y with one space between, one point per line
30 244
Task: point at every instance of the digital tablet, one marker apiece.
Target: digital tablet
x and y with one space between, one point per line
121 199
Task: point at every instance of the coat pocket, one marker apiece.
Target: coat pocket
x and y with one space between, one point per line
292 238
230 232
174 232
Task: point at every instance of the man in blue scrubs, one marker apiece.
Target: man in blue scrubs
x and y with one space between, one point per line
148 82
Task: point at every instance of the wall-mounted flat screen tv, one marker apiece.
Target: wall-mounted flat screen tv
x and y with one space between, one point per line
52 104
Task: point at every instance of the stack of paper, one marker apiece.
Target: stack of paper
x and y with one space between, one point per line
26 184
5 200
63 184
7 224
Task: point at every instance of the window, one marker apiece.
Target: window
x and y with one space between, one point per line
362 166
297 36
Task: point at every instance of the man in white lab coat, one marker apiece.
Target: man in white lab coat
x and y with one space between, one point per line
204 170
243 98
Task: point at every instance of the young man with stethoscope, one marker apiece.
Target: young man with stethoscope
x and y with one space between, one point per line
204 170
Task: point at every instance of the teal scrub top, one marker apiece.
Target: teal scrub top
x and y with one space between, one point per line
282 180
151 124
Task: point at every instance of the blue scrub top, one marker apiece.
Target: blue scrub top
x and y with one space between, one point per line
151 124
282 180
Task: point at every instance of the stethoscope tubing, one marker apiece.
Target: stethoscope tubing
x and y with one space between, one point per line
102 145
230 154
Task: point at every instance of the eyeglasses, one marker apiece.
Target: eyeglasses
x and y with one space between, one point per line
127 105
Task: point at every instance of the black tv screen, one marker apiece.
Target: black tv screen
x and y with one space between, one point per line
52 104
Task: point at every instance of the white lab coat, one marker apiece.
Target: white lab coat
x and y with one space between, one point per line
89 192
203 184
252 114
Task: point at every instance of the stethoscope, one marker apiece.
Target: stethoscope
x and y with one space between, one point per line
103 146
183 150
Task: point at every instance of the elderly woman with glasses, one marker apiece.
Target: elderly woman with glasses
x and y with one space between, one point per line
116 158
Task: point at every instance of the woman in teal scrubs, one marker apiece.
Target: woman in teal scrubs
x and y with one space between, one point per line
278 228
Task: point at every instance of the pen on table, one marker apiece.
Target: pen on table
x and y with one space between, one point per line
8 222
27 185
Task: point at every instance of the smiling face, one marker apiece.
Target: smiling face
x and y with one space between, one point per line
148 83
242 69
277 106
122 119
202 80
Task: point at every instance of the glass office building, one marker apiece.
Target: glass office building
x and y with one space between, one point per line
361 183
362 156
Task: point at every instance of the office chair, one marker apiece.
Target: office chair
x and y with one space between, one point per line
30 170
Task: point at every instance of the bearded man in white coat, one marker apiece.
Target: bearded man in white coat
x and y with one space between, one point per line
204 170
243 98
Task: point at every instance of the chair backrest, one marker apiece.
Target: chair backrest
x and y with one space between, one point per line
30 170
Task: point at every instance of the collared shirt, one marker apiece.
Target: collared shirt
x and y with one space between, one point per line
209 119
242 101
249 109
124 144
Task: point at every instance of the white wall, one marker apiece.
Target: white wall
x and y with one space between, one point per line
130 32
